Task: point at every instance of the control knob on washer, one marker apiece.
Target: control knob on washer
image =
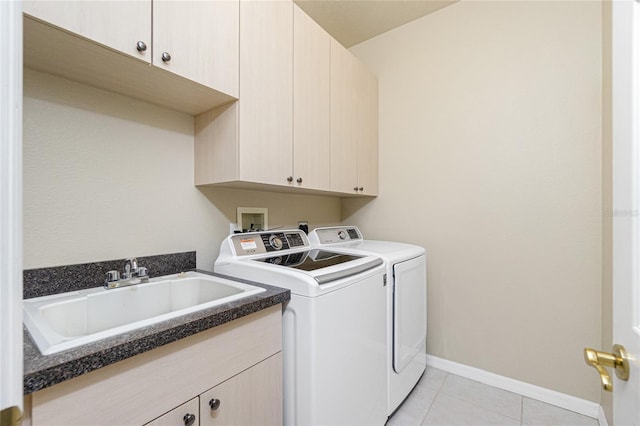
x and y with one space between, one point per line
275 242
342 235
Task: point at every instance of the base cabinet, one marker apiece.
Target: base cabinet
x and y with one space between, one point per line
238 363
241 400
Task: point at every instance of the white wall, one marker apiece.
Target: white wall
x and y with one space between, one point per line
490 157
106 177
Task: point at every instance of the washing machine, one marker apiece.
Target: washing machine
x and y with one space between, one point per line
334 328
406 313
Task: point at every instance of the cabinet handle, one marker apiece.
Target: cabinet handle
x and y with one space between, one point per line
189 419
214 404
361 189
299 180
141 46
166 57
290 179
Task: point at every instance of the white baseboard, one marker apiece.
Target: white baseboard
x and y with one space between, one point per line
562 400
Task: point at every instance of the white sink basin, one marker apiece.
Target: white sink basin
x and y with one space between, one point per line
64 321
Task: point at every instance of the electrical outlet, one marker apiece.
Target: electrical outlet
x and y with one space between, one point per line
303 225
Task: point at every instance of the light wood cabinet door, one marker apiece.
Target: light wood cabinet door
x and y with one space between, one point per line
201 38
344 118
368 142
253 397
186 414
311 102
265 109
354 124
119 25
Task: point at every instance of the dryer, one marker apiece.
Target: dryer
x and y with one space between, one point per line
406 314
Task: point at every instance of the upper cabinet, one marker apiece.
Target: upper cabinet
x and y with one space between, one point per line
249 143
95 20
265 109
354 124
192 46
311 102
199 41
307 118
307 115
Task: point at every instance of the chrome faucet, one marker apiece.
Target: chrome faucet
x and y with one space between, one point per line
133 274
130 268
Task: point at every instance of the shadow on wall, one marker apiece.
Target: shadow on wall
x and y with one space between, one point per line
59 91
285 210
352 205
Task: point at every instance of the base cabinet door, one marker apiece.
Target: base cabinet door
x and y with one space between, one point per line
253 397
184 415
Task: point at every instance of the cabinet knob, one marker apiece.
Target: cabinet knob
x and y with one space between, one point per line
361 188
290 179
189 419
299 180
141 46
166 57
355 188
214 404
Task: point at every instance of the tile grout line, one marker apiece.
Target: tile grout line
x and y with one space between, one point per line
426 414
475 404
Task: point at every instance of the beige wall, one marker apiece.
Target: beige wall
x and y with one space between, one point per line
107 177
490 157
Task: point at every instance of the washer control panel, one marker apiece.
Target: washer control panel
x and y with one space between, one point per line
335 234
267 241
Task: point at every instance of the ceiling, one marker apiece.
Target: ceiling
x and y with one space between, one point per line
354 21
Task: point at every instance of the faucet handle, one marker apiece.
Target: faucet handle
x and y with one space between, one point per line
112 276
142 272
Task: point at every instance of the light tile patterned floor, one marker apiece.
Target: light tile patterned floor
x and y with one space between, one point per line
442 399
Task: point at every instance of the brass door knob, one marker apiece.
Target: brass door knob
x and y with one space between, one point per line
617 360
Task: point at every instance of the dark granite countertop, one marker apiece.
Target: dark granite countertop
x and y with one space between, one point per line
41 371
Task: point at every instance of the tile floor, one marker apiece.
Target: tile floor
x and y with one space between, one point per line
443 399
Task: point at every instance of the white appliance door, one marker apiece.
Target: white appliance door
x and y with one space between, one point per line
409 311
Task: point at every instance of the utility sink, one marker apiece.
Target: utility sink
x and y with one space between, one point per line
67 320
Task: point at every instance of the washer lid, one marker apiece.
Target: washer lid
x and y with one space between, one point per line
317 260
